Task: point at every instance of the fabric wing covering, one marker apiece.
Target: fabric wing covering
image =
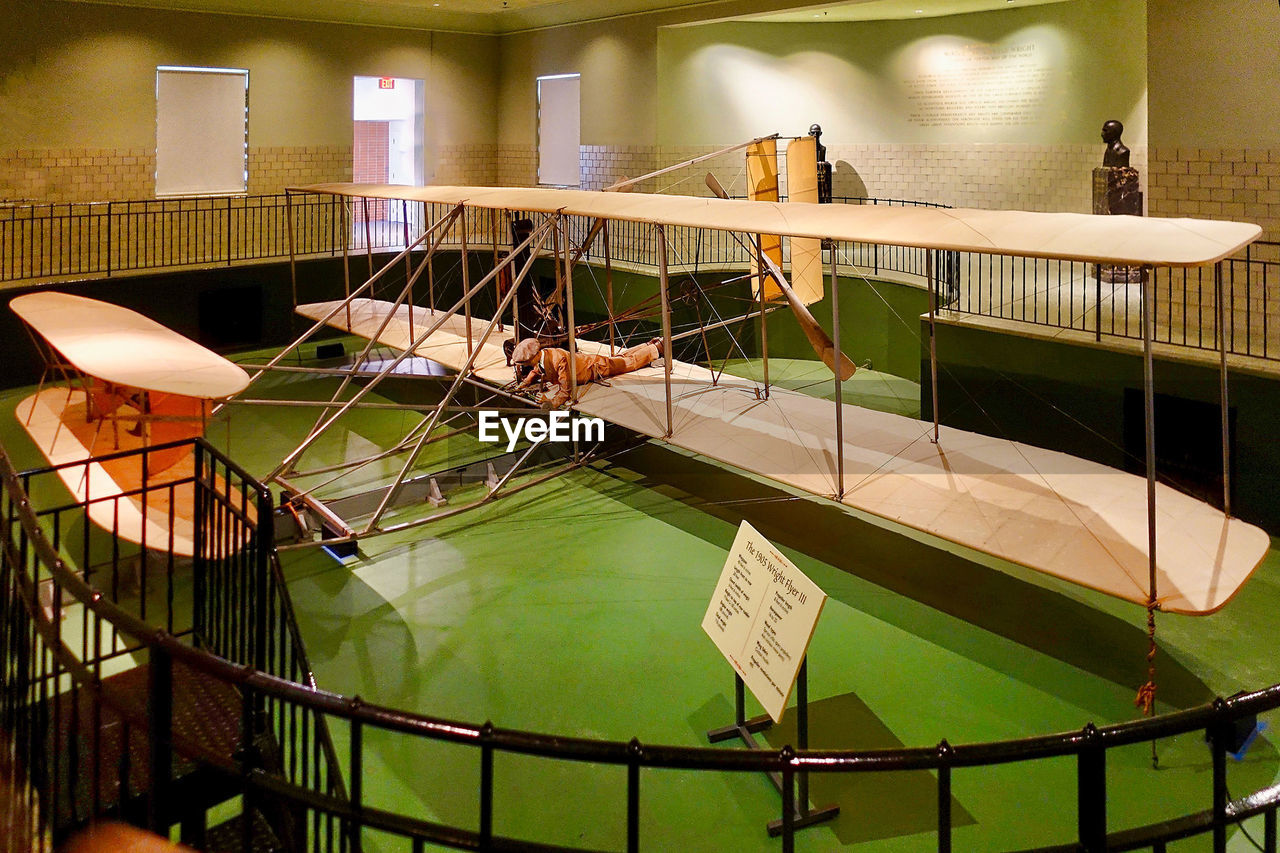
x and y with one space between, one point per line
145 385
1067 517
1120 240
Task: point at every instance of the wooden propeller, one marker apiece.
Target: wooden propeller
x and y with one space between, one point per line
818 338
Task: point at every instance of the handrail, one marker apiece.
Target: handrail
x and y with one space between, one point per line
300 652
30 558
55 241
1211 716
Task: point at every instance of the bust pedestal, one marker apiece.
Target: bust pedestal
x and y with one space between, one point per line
1116 191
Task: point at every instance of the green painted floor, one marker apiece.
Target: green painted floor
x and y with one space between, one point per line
870 388
574 608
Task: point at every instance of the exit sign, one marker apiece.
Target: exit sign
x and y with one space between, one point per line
386 82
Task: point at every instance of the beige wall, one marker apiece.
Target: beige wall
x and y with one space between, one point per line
1084 62
1214 72
618 61
77 99
79 81
656 91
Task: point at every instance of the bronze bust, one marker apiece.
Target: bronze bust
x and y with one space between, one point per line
1116 154
824 168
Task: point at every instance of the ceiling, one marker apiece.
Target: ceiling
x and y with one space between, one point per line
877 10
507 16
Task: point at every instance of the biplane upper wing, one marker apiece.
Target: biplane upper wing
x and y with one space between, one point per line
1119 240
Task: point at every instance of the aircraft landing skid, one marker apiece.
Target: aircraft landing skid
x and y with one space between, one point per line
304 520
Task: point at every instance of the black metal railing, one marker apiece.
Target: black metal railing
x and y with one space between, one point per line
50 241
42 241
105 714
92 736
1106 301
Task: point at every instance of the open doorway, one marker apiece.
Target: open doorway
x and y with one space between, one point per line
386 147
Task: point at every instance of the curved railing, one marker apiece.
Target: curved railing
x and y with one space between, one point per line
275 754
55 241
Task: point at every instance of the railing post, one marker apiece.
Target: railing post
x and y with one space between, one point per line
634 753
356 770
1097 302
1219 737
293 248
486 785
110 235
1091 792
199 560
262 537
944 796
785 756
160 734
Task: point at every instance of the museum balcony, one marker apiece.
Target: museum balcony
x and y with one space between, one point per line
50 243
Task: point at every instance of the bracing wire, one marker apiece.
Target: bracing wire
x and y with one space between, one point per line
1001 433
914 332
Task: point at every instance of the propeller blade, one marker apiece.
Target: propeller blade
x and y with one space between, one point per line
818 338
714 186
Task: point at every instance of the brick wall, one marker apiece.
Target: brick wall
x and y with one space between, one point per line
126 174
371 163
468 165
77 174
273 169
370 157
1209 183
1022 177
517 166
1217 183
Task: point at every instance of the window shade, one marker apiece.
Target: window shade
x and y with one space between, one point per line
201 120
559 130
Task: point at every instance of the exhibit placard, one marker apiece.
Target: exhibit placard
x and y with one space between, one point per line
762 617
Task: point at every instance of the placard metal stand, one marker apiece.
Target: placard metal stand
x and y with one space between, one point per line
746 730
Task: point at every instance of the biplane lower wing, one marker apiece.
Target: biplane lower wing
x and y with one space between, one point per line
1067 517
56 420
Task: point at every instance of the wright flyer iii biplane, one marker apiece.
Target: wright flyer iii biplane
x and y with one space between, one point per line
1122 534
